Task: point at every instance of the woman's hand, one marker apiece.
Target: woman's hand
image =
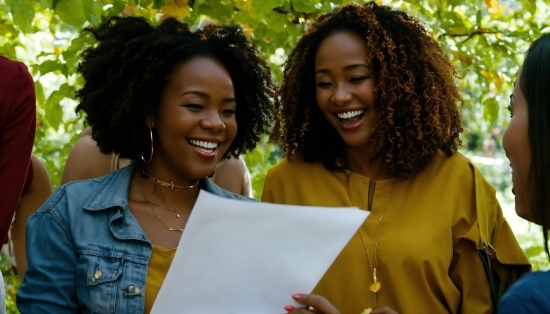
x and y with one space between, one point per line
317 304
381 310
314 304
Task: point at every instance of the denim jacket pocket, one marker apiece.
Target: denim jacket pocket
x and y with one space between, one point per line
102 281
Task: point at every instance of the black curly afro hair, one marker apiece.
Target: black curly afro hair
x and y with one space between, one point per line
417 98
127 70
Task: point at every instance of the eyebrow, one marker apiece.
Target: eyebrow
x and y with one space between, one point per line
205 95
348 67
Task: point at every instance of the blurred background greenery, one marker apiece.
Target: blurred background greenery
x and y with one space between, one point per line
485 41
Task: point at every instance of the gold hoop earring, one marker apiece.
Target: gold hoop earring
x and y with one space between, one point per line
151 156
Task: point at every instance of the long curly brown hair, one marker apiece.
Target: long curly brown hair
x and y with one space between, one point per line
416 97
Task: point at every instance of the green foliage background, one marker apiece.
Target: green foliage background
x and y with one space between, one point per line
485 40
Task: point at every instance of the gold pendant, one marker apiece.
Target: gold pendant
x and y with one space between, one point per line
375 287
177 215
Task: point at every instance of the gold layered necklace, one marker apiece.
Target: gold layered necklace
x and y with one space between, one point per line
178 213
151 203
166 184
376 285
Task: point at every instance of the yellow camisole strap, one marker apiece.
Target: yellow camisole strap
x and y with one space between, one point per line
159 263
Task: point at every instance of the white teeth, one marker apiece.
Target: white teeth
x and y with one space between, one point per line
210 146
350 114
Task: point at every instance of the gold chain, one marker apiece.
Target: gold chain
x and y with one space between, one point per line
154 212
375 287
165 184
162 222
170 209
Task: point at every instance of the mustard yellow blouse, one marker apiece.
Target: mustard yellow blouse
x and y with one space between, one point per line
159 263
431 230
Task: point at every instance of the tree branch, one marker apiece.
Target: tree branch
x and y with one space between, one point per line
470 35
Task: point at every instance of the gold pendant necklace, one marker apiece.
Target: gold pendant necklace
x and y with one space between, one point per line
162 222
376 285
165 184
154 212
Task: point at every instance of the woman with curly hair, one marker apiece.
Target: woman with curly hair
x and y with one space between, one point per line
171 99
369 117
527 145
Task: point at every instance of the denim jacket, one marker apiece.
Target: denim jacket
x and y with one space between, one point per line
86 252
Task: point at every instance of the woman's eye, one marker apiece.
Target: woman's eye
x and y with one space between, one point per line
324 84
358 79
194 107
509 110
228 112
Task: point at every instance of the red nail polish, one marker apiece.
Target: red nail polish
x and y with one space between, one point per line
296 296
289 308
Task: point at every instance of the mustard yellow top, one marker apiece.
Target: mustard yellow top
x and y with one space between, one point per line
159 263
431 231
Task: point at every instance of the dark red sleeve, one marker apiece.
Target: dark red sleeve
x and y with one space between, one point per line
17 129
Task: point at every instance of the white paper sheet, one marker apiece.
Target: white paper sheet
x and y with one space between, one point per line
250 257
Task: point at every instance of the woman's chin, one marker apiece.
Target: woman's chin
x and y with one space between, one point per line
524 211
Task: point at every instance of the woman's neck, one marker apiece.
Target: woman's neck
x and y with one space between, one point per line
358 161
159 183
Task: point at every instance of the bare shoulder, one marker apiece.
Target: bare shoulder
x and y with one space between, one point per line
86 161
232 175
233 165
41 177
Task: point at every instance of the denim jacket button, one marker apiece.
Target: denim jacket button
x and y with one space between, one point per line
97 275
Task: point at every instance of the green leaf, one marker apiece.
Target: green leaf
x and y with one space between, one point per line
118 7
8 51
221 11
45 4
23 14
479 18
455 3
455 18
50 66
157 4
264 7
72 54
92 11
144 3
54 111
490 111
534 251
277 23
39 90
304 6
71 12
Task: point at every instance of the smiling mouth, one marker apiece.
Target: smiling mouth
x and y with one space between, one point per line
207 147
351 117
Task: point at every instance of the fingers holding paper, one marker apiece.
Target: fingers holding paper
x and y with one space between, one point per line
314 304
318 304
380 310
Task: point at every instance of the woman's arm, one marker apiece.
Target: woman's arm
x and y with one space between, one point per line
40 190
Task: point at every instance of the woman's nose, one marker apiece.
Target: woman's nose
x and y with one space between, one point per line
213 121
341 96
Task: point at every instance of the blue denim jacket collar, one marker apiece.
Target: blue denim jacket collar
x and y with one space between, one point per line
112 194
